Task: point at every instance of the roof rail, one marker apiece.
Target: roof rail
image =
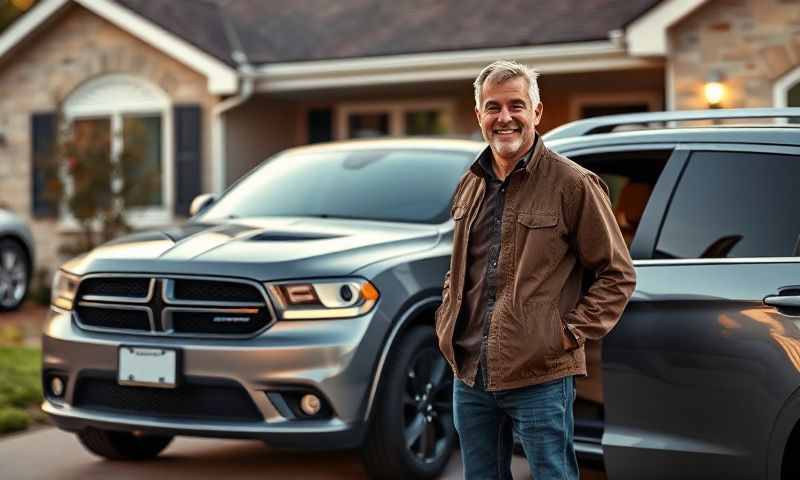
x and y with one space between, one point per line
607 123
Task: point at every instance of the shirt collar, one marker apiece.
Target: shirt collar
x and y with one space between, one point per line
483 164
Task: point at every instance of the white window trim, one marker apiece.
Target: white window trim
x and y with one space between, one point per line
158 104
396 111
780 91
653 101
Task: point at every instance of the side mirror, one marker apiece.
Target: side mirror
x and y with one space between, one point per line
201 202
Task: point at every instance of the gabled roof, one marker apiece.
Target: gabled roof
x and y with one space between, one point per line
222 79
273 31
306 44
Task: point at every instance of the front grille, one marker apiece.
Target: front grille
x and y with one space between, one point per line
130 287
179 306
217 291
219 323
196 399
115 318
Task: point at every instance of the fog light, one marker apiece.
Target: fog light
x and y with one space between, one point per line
310 404
57 386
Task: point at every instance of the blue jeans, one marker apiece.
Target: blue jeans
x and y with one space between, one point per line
540 416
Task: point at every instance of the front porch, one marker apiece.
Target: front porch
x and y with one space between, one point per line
270 122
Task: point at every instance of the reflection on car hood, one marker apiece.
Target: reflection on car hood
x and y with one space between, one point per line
261 249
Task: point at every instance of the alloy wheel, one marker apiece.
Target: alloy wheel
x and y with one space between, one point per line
427 406
13 277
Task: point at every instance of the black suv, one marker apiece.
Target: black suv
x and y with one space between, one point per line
700 377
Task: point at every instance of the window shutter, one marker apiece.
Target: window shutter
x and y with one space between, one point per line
43 152
188 156
320 125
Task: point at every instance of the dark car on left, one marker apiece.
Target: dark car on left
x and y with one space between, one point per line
16 260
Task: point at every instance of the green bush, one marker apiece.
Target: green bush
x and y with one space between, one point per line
13 420
20 386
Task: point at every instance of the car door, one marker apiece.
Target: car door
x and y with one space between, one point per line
631 172
707 354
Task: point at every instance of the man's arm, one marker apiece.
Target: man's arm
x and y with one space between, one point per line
600 247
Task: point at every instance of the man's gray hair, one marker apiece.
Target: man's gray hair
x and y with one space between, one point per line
503 70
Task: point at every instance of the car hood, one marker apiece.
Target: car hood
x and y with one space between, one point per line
259 249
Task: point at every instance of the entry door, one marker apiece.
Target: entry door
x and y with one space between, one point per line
708 350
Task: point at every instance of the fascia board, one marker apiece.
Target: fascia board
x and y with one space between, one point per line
563 58
647 35
29 22
222 79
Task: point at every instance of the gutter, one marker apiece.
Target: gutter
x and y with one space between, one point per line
247 74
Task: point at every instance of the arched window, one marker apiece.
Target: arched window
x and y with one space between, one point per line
129 118
787 91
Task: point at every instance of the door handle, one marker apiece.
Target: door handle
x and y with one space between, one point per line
783 301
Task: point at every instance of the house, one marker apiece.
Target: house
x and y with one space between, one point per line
210 88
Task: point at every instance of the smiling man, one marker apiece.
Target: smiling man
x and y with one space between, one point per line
515 313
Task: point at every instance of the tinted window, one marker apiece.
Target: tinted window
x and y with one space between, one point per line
631 177
399 185
734 205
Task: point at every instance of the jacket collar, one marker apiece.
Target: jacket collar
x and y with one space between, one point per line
530 160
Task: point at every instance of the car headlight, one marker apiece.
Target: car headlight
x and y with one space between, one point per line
337 298
63 291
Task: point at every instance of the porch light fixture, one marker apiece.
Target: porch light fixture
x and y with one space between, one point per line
714 89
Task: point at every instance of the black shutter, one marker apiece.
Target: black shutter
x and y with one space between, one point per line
43 156
188 156
320 125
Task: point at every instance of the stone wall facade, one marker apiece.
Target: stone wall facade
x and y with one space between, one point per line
36 77
753 43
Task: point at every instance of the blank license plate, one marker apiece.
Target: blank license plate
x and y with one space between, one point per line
147 367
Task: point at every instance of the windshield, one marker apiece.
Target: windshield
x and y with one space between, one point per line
391 185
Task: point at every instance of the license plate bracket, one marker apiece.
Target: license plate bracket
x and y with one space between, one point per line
147 367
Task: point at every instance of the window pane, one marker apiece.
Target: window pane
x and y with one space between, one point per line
424 123
733 205
368 125
141 161
88 156
320 125
631 177
794 100
404 186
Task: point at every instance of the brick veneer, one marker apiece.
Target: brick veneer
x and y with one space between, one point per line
752 42
76 47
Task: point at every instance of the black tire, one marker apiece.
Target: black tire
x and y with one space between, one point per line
406 439
123 445
15 275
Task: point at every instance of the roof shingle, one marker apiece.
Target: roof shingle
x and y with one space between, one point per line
302 30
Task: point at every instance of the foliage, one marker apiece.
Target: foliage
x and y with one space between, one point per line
10 10
96 186
20 387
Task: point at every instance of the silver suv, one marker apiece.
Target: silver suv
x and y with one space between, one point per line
16 260
297 309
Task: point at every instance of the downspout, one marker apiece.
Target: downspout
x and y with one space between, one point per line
247 82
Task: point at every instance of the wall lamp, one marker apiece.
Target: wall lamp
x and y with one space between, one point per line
714 89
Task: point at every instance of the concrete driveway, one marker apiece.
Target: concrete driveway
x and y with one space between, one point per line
49 453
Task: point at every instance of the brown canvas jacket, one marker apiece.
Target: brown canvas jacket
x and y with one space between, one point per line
557 222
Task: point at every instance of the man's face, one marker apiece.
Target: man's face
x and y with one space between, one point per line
507 117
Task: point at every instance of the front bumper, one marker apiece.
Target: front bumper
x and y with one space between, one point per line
334 358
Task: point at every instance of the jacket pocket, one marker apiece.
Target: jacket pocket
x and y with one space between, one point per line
458 212
535 242
533 338
569 341
537 220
